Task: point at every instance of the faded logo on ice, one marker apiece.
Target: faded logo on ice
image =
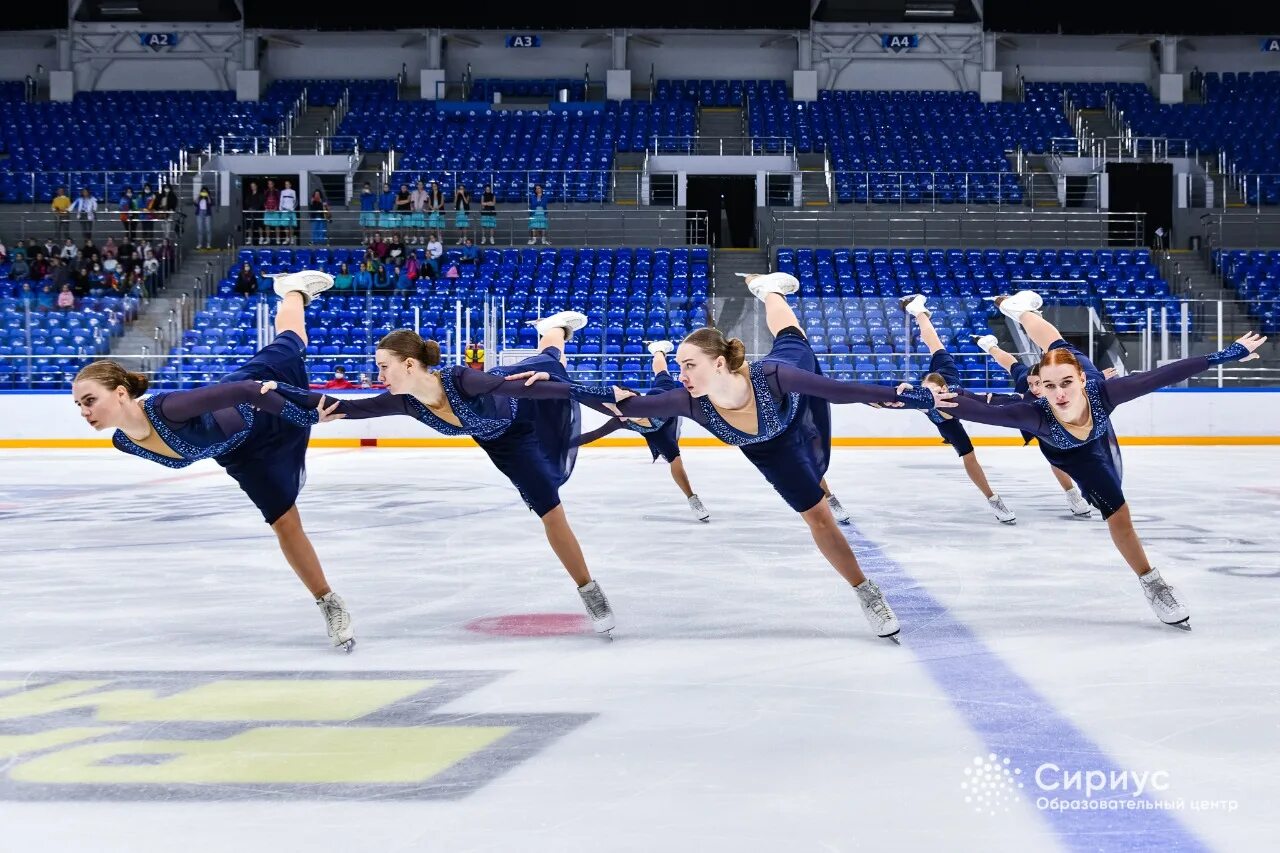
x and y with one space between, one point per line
257 735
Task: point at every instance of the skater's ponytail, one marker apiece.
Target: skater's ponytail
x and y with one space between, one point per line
1061 356
936 379
111 376
1035 369
406 343
714 345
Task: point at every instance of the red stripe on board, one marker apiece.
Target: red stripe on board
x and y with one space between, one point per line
368 442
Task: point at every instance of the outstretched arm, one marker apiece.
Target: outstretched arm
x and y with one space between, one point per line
179 406
381 406
1015 415
474 383
669 404
1135 385
796 380
600 432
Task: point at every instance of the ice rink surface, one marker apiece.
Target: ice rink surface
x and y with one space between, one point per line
168 684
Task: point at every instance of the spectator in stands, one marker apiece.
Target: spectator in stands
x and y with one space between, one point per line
1161 242
379 247
27 297
167 210
340 379
403 207
151 272
452 271
128 207
470 254
271 213
20 269
85 209
246 282
66 299
474 355
288 216
45 301
488 214
252 212
1197 79
395 247
68 252
110 250
204 219
368 210
318 208
344 281
4 253
398 279
135 284
147 211
89 253
61 207
387 216
435 218
461 212
39 265
538 216
434 250
363 279
418 203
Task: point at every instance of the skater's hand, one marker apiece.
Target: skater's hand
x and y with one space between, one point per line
942 399
1251 342
268 386
328 413
530 376
1108 373
620 393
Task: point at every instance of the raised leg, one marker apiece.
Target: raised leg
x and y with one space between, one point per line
1002 358
778 314
553 338
928 334
291 316
1040 330
831 542
681 478
561 539
1120 524
299 553
973 468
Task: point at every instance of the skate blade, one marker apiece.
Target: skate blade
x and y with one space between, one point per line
1184 625
607 636
347 646
846 522
893 638
1010 521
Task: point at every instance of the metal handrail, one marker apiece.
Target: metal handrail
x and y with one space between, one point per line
722 145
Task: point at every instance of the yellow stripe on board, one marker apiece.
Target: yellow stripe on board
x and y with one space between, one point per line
846 441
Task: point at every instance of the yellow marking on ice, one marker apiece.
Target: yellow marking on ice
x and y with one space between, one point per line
15 745
220 701
371 755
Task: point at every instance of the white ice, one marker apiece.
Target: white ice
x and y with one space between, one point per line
743 706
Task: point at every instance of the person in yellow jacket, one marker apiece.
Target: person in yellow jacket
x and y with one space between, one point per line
474 355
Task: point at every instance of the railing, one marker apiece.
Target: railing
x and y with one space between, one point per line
284 145
580 187
974 229
946 190
722 145
638 226
41 185
1240 230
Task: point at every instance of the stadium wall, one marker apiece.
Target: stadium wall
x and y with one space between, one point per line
1168 417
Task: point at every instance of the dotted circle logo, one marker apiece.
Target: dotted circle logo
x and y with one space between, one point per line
990 785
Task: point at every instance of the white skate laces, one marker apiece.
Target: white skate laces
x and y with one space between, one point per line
597 607
880 615
1164 601
337 620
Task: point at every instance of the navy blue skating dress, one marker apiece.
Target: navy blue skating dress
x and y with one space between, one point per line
528 432
951 430
792 444
662 434
260 439
1094 461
